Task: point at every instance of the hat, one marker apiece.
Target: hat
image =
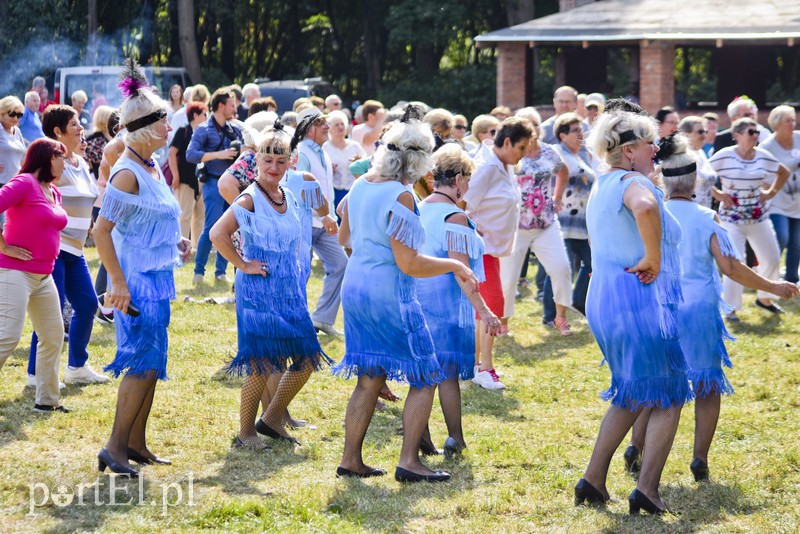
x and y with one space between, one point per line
595 99
309 115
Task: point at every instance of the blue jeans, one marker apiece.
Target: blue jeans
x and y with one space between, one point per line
73 280
215 206
788 231
580 257
338 195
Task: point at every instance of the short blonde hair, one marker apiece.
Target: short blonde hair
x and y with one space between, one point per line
200 93
440 120
302 101
405 152
145 103
605 135
449 161
100 119
779 114
484 123
683 184
9 104
80 96
276 142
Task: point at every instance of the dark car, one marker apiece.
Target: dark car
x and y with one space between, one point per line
285 92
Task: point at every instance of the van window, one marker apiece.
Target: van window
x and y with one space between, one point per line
105 84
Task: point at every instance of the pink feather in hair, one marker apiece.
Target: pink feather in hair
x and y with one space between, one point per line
132 80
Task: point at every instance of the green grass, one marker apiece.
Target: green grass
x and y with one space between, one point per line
528 445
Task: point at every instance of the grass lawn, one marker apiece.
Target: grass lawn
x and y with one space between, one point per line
528 445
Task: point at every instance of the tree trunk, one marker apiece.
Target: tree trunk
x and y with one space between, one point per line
370 52
91 45
519 11
188 41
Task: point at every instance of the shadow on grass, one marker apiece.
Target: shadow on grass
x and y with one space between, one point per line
546 348
499 404
698 507
755 325
381 509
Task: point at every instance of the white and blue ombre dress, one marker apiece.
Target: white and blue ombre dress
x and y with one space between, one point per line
700 325
635 324
385 329
146 237
309 197
448 311
272 318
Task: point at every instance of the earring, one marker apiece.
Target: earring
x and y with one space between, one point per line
458 193
631 162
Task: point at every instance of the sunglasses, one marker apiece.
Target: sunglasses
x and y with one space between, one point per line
460 127
750 131
575 130
493 132
701 132
14 114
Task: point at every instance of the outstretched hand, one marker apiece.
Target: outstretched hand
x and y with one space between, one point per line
646 270
785 290
467 277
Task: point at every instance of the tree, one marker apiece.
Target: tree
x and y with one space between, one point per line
188 39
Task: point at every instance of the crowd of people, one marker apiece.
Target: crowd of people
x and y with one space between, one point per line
440 216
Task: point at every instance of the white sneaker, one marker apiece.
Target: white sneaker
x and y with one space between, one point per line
30 382
83 375
488 379
221 278
198 279
326 328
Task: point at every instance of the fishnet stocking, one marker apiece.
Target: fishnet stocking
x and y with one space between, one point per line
706 415
450 399
288 387
416 413
660 433
131 396
640 429
359 412
137 440
253 389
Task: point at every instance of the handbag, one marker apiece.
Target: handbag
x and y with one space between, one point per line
167 172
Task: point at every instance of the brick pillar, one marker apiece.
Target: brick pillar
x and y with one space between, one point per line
511 79
656 74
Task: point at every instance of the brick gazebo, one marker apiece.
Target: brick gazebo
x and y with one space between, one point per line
740 30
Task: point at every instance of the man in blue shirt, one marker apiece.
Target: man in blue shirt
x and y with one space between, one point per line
211 146
29 124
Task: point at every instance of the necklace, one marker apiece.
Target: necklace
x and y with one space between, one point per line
446 195
281 203
150 163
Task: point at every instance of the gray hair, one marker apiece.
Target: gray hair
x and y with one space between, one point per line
683 184
30 95
405 152
605 134
688 123
736 104
38 81
779 114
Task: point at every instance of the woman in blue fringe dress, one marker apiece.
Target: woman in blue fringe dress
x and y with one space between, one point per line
705 246
448 306
632 305
274 327
139 242
385 331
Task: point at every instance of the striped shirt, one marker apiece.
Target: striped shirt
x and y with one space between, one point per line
743 180
78 193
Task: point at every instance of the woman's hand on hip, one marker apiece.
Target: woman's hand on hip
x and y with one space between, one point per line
17 252
646 270
255 267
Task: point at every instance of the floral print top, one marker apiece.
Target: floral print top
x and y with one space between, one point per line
536 179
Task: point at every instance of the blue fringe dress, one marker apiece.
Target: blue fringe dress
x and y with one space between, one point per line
272 319
309 197
146 236
448 311
635 324
702 330
385 329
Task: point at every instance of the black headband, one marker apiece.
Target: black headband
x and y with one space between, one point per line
626 137
450 173
395 148
680 171
147 120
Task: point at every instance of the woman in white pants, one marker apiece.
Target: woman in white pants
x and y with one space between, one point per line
541 178
744 170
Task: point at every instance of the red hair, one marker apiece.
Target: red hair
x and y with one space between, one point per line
39 158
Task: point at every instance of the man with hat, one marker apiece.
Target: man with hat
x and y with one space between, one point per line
311 133
595 103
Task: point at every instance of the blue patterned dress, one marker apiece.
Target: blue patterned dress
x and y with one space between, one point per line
385 329
702 330
272 319
635 324
448 311
146 237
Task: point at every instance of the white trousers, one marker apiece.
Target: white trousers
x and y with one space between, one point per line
764 243
548 245
20 291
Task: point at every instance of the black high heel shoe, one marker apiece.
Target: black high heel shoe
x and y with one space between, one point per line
140 459
104 460
699 469
452 448
584 491
639 501
633 462
264 429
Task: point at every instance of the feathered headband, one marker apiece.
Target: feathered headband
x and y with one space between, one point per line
132 81
666 149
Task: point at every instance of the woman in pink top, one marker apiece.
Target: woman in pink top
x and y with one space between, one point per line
28 249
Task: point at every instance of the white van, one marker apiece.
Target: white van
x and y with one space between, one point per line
100 83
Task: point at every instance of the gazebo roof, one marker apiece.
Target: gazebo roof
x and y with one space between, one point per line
683 21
